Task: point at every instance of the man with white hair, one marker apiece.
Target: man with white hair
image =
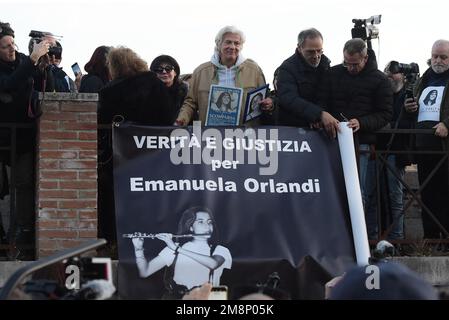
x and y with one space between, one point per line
227 67
431 107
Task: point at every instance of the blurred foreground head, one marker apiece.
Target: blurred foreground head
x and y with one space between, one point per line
395 282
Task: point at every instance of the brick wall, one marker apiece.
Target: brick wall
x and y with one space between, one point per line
66 172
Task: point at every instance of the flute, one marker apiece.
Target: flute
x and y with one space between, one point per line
153 235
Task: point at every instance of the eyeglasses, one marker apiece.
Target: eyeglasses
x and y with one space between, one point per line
162 69
348 65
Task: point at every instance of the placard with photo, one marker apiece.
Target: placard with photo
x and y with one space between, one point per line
252 105
224 106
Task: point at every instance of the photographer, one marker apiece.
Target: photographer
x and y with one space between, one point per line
402 77
62 81
43 79
17 72
431 108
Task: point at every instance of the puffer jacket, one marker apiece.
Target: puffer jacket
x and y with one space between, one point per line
366 96
299 85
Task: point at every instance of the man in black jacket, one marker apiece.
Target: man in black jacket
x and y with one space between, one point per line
62 82
357 92
17 72
431 109
298 83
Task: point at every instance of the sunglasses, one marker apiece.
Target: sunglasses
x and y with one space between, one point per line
166 68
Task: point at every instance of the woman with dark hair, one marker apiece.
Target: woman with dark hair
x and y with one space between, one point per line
431 98
224 102
196 261
168 71
97 71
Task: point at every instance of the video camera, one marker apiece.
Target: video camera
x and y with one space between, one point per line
38 36
410 72
406 69
365 29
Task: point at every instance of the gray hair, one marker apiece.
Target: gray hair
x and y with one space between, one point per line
311 33
355 46
440 42
228 29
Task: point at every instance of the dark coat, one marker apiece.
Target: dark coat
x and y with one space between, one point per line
91 83
142 98
60 82
366 96
16 81
177 94
427 141
17 97
298 87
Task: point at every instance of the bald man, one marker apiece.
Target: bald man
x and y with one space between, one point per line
431 107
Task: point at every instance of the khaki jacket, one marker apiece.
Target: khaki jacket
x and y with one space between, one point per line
249 76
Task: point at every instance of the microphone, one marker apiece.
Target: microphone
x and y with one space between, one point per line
93 290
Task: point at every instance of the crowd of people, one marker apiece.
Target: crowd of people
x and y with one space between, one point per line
308 93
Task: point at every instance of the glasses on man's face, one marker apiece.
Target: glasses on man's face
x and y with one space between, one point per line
348 65
162 69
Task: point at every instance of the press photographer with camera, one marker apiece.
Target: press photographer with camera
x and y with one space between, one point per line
430 106
44 80
62 82
402 78
18 99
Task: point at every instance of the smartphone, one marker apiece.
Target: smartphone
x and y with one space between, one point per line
219 293
76 68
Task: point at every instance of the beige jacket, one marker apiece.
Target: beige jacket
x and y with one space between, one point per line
248 76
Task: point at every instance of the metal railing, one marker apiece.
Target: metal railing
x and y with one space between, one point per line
383 166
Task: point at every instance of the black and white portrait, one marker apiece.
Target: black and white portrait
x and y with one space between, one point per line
192 256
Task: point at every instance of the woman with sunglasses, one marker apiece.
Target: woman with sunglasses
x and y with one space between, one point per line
167 70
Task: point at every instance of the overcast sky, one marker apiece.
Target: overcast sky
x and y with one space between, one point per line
185 29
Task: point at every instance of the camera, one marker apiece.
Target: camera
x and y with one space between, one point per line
365 29
410 72
396 67
38 36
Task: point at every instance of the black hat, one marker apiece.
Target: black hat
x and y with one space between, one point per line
165 59
396 282
6 30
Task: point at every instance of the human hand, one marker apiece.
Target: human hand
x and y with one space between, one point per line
201 293
179 123
354 124
410 105
78 78
330 124
267 104
137 243
316 125
330 285
441 130
39 49
168 239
